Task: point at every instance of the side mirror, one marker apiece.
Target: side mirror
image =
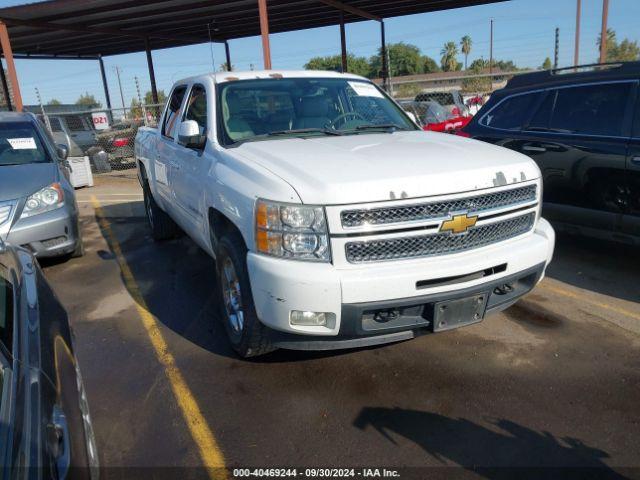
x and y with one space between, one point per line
189 135
62 151
412 116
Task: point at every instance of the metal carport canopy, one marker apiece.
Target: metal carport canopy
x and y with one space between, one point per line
92 29
110 27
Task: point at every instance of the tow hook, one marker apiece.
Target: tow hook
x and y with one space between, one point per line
503 289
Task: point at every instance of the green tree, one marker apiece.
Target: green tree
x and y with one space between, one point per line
404 59
625 51
136 108
429 65
448 61
465 47
546 65
54 101
356 65
148 97
88 100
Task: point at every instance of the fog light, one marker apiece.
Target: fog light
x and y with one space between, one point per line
316 319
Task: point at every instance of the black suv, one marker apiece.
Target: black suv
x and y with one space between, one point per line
582 127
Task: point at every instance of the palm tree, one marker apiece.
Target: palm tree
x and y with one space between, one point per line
448 60
465 46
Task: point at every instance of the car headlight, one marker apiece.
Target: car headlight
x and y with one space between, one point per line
292 231
45 200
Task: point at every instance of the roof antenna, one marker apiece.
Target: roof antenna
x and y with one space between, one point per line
213 63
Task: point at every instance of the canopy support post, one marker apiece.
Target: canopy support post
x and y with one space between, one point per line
264 31
152 75
343 43
11 67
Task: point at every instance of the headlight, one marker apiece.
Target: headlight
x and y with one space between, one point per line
292 231
47 199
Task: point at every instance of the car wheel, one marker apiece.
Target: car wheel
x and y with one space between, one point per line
248 336
162 225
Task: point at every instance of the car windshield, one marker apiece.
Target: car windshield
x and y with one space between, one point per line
271 108
21 144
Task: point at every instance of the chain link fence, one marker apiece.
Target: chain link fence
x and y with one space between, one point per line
106 136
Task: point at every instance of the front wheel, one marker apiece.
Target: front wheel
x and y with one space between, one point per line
248 336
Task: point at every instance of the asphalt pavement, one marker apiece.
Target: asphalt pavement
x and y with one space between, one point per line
553 381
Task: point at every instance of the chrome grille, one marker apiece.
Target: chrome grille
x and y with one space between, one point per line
426 211
5 213
438 243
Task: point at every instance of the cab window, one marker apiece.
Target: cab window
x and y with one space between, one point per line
196 108
171 116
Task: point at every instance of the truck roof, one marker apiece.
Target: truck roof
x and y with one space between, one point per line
220 77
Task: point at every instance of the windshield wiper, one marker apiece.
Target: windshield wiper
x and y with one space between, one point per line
298 131
390 127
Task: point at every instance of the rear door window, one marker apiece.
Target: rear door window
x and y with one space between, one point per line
598 109
511 113
171 116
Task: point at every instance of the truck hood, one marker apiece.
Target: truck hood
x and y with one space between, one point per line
17 181
378 167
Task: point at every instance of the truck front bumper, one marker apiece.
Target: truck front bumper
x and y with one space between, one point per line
386 302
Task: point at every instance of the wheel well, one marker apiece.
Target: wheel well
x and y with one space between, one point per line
143 173
219 225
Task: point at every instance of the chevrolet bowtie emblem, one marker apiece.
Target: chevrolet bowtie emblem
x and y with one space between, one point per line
458 223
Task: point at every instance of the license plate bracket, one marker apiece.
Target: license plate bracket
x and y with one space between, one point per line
459 312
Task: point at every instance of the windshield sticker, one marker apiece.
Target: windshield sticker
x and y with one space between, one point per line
363 89
28 143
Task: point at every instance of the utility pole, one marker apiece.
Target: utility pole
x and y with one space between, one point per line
44 115
491 48
142 107
557 49
124 111
603 34
576 53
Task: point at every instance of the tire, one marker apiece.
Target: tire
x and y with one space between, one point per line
162 225
248 336
79 251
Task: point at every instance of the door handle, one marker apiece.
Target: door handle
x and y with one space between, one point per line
533 148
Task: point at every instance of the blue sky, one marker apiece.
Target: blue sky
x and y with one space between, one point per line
523 32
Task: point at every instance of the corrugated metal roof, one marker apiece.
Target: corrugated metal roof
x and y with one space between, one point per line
110 27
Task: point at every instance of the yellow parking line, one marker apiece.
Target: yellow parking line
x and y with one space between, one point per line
586 299
210 452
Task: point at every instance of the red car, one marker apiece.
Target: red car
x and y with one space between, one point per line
432 116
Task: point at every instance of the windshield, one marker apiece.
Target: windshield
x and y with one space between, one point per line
20 144
268 108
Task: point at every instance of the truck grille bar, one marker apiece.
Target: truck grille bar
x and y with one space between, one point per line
428 211
438 243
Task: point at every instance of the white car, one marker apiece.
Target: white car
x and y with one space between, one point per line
334 221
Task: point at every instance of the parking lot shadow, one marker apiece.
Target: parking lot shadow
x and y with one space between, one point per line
176 280
597 265
507 450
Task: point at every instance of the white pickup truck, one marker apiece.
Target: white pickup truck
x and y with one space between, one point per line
334 221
